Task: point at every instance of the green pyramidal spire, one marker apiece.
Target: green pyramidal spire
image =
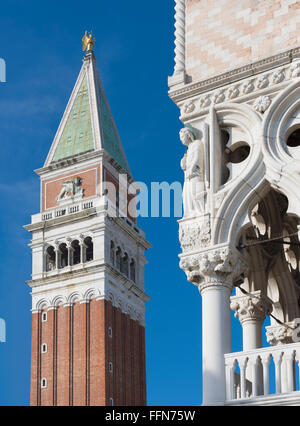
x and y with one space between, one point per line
77 135
111 142
87 123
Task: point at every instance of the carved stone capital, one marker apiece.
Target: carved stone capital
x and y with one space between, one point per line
280 334
218 267
252 307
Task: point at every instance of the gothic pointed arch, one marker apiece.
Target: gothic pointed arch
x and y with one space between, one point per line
234 196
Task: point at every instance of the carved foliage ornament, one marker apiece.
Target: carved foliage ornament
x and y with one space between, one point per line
280 334
244 88
262 103
217 267
252 307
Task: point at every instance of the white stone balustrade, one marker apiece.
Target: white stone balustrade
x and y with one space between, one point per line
65 210
98 203
284 358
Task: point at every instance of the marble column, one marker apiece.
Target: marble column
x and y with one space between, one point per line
214 272
251 311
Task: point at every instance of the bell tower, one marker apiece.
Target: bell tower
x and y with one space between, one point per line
88 298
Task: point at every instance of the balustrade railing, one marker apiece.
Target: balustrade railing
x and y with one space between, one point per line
84 205
63 211
252 373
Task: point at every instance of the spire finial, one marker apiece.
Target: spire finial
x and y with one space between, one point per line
88 42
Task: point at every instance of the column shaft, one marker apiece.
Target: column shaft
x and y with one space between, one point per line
216 342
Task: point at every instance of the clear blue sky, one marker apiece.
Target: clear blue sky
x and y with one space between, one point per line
41 43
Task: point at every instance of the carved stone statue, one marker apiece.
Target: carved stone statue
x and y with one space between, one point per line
193 165
71 188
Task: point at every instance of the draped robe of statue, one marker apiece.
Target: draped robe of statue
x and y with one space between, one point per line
193 165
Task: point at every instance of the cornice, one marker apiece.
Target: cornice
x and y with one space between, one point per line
81 159
64 276
133 233
234 75
70 161
62 220
90 271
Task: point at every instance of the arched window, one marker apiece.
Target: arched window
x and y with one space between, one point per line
44 348
112 253
235 150
118 258
50 259
76 252
89 249
43 383
132 270
294 139
124 264
63 255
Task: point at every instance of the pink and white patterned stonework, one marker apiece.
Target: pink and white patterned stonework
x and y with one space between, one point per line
226 34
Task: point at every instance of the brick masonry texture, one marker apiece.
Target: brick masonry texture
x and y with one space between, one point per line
80 349
227 34
52 187
108 178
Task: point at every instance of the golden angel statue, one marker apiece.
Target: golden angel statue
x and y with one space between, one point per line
88 42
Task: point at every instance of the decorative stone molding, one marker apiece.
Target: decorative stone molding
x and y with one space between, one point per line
233 92
205 101
295 70
278 76
284 59
194 234
246 90
280 334
219 97
248 87
262 103
220 266
179 75
135 313
189 107
253 307
179 36
263 82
